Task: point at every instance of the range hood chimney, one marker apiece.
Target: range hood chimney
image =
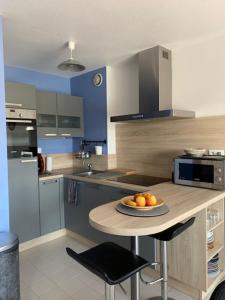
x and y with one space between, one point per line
155 88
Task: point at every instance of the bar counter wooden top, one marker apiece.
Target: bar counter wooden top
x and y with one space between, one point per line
182 201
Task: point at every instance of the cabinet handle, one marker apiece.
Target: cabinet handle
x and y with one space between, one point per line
50 134
18 121
65 134
13 104
24 161
50 181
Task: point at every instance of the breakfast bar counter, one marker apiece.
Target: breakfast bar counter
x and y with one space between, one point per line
188 255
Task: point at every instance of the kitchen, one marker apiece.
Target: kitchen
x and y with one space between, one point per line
76 129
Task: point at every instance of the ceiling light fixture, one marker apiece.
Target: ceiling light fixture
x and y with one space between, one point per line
71 64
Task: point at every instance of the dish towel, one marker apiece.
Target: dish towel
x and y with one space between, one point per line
73 192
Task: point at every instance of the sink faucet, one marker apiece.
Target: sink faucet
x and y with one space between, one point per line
89 167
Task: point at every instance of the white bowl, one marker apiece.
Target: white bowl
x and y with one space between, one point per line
195 152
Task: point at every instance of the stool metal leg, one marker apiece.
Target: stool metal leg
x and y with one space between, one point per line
163 270
135 280
109 292
163 273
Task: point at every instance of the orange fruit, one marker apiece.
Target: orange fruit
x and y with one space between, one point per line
147 196
135 196
151 201
140 201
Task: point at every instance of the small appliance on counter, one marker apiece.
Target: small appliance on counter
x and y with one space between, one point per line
49 164
41 163
207 171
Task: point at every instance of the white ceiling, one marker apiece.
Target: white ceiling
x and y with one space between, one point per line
106 31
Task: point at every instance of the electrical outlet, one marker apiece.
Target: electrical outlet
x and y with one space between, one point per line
216 152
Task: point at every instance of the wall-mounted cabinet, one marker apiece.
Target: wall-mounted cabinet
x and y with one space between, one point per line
70 115
46 114
59 115
20 95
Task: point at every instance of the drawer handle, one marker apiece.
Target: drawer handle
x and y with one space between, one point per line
13 104
50 134
65 134
24 161
50 181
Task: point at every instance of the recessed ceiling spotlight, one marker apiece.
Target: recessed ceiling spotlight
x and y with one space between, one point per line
71 64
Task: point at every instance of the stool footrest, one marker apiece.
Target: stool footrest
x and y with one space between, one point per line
149 282
156 263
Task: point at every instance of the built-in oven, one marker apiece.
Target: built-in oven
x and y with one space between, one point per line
21 133
206 171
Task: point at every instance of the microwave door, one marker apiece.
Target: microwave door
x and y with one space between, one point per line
196 172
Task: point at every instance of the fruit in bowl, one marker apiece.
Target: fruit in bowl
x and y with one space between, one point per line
142 200
150 199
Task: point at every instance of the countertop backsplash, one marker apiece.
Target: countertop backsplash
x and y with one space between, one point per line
149 147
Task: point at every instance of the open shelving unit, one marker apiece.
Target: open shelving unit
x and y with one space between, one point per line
218 230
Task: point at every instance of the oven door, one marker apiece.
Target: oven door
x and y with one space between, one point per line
21 137
199 173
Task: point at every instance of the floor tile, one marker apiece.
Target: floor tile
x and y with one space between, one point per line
47 273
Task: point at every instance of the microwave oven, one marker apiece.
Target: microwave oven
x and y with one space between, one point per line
203 172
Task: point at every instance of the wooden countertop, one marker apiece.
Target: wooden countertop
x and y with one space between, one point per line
182 201
69 173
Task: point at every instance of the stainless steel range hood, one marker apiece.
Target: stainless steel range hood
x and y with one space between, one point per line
155 88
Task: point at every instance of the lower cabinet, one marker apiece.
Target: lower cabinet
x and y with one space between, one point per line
23 198
89 197
49 195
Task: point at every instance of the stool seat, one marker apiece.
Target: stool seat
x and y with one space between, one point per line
110 262
170 233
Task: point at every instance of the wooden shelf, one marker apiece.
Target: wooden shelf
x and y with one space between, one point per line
216 280
216 249
216 225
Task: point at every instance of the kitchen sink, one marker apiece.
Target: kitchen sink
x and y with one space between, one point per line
89 173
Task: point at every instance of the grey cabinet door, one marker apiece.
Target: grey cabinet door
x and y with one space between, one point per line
46 115
91 196
20 95
70 116
23 198
61 203
49 205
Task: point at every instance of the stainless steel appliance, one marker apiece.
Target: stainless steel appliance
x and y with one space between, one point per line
138 179
204 172
21 132
155 88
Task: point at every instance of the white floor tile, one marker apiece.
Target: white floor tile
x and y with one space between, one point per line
48 273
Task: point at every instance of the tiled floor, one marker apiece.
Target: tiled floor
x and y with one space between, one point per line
47 273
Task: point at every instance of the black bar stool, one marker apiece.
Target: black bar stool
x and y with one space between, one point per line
164 237
111 263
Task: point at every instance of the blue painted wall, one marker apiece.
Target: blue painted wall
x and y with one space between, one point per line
42 81
50 83
95 105
4 199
